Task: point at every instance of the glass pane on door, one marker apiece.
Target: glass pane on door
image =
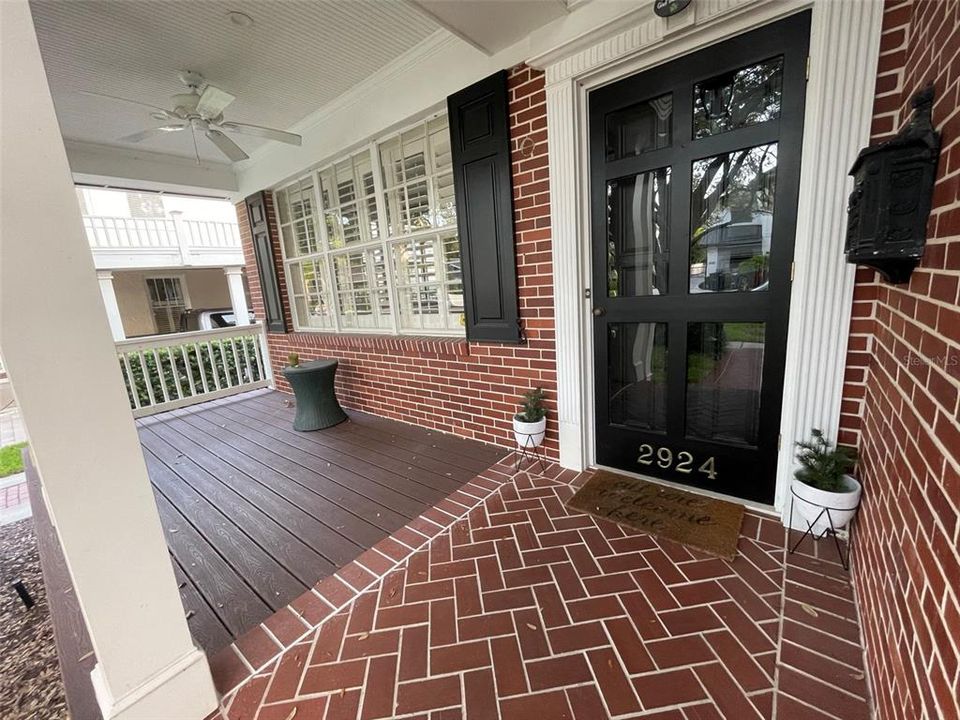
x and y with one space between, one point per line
637 375
638 219
640 128
731 207
732 100
724 370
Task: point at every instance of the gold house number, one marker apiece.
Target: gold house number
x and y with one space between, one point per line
664 458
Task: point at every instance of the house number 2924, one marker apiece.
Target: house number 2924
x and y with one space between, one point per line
682 461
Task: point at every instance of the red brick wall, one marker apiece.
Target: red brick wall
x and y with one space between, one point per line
900 401
470 389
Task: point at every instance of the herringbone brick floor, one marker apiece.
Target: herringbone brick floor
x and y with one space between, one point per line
522 610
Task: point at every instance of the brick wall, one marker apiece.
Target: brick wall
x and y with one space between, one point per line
900 401
470 389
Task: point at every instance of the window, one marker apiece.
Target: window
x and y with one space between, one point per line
370 242
167 302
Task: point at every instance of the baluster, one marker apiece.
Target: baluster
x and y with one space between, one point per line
203 369
256 352
146 377
226 367
163 380
213 367
246 359
189 367
172 355
112 235
131 381
236 362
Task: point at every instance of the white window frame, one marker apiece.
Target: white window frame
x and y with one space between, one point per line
182 278
384 241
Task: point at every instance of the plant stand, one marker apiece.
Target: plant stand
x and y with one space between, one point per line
317 405
844 559
527 450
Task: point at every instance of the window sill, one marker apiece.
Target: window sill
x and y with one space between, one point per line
418 344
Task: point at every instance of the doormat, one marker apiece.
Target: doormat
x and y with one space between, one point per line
700 522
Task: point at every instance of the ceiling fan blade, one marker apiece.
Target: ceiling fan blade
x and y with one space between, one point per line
151 132
165 112
227 146
264 132
213 101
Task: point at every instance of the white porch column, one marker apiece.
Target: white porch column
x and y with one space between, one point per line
238 297
95 485
105 278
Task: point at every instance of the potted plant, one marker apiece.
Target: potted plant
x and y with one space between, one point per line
530 424
293 359
823 481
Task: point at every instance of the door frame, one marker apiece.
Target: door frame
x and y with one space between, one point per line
844 48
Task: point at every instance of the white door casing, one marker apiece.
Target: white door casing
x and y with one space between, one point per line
844 46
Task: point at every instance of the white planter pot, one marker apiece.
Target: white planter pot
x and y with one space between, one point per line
809 501
529 434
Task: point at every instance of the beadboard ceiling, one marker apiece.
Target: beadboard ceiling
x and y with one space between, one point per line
297 56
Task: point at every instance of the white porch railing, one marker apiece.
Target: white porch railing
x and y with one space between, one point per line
123 242
104 232
163 372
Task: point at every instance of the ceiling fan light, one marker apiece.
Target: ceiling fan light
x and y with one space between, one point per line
185 101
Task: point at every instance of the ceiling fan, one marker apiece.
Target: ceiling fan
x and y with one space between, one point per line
201 111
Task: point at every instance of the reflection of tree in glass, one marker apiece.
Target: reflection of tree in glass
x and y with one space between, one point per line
739 98
741 182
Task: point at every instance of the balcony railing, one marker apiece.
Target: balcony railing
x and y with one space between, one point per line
127 242
163 372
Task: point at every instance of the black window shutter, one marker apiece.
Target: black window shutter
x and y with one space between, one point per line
263 250
480 139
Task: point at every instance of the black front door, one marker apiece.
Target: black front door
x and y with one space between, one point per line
695 167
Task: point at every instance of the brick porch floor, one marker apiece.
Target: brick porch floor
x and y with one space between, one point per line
521 609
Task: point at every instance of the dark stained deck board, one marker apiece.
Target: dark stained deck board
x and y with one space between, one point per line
428 448
349 490
336 548
261 511
74 649
227 535
205 626
234 602
346 452
353 445
296 556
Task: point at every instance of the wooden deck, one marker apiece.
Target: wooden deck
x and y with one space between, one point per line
256 513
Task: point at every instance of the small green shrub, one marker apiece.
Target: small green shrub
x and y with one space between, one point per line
823 466
219 359
293 359
532 409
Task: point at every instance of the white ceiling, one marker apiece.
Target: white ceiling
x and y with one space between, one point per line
297 56
492 25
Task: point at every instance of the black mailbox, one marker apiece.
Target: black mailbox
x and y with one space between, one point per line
890 203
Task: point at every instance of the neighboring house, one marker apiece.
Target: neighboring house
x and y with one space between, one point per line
161 255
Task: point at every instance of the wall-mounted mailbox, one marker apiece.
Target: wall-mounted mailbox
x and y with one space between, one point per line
890 203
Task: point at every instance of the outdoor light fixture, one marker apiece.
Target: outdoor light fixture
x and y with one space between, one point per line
892 194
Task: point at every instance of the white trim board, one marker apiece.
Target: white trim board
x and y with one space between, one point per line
844 45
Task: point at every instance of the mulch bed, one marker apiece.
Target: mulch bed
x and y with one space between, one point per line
31 687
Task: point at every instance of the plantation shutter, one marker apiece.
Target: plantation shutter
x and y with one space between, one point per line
266 269
480 141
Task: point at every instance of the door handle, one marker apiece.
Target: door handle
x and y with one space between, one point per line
598 311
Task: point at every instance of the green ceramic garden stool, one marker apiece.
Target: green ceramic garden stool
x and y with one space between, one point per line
317 406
